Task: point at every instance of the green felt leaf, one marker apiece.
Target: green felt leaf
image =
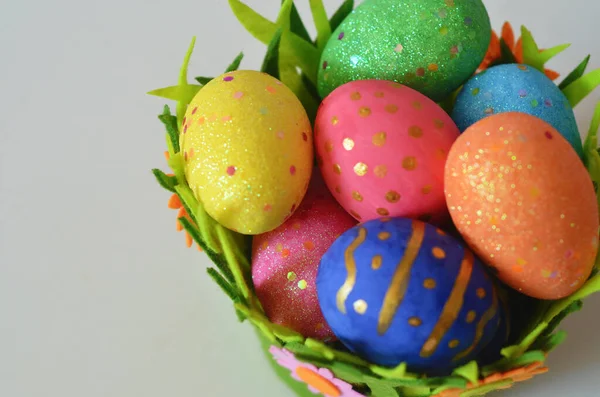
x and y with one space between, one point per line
321 23
291 78
485 389
341 14
302 54
548 54
591 156
554 341
257 25
236 264
183 72
576 73
235 65
516 351
590 287
303 352
468 371
582 87
319 346
167 182
382 390
297 26
271 62
283 19
416 391
348 373
176 164
221 282
398 372
206 225
170 123
572 308
180 93
204 80
530 50
507 364
286 335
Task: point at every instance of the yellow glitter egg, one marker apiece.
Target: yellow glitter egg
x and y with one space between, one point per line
248 150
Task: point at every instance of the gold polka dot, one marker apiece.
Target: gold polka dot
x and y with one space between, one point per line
392 196
471 316
439 124
409 163
337 169
355 214
379 94
426 189
383 212
348 144
364 112
453 344
481 294
429 283
415 321
391 108
328 146
376 262
335 120
383 236
415 131
379 139
438 253
360 306
380 171
355 96
338 189
361 169
357 196
417 105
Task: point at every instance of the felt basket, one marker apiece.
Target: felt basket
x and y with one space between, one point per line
312 367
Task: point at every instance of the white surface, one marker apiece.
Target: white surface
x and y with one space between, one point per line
98 295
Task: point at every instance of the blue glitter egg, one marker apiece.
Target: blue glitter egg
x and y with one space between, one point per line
516 88
396 290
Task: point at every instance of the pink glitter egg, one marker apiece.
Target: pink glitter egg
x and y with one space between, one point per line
285 262
382 148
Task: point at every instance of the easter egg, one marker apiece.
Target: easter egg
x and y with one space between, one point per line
433 46
523 200
516 88
285 262
247 146
395 290
382 148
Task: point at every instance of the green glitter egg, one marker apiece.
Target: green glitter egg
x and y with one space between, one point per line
432 46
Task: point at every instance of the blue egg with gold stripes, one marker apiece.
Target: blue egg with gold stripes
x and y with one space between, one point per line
396 290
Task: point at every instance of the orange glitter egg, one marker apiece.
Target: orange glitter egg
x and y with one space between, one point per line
523 200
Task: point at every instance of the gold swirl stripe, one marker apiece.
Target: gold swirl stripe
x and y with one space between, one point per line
485 319
348 285
452 307
395 293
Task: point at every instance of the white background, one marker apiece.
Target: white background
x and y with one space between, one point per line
98 295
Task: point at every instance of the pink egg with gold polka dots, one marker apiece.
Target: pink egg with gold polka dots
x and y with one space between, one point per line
382 149
285 262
